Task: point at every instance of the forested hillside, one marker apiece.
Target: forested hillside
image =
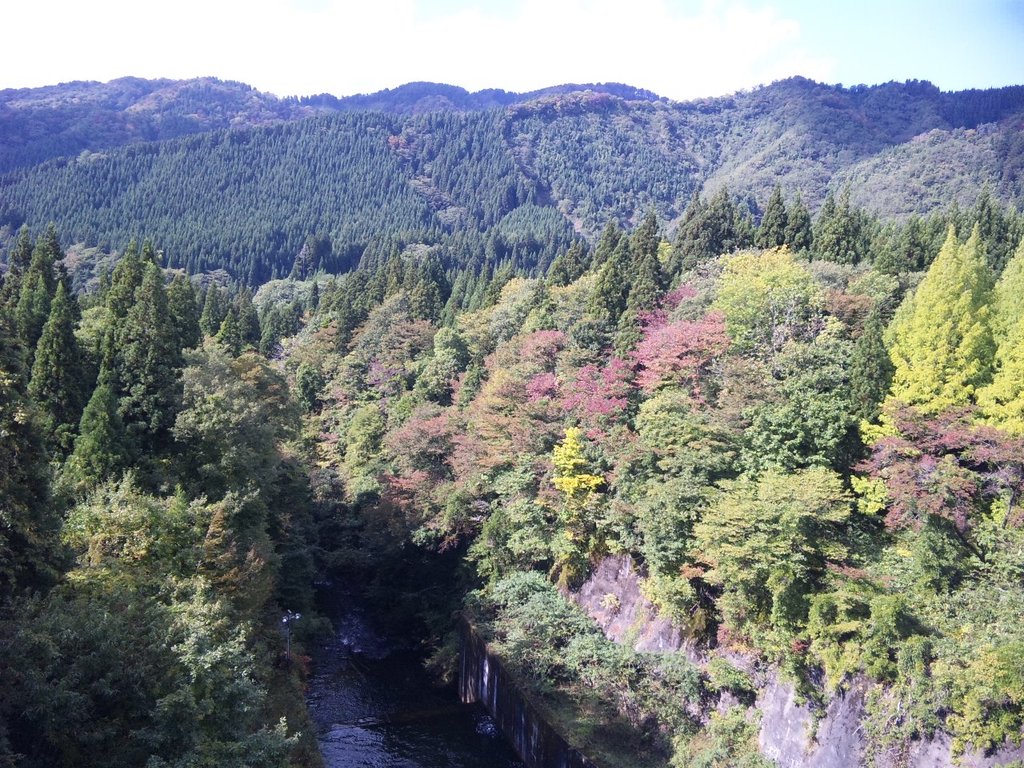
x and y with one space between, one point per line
453 351
805 433
488 177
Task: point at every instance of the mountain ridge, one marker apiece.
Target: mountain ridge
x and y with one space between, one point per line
37 124
252 176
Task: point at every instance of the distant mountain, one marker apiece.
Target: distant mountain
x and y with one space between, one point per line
414 98
221 175
37 124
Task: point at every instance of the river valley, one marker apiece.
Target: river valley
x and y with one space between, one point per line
375 707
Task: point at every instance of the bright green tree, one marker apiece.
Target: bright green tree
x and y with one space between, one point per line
1008 297
1002 401
806 419
767 299
684 451
768 542
941 338
581 490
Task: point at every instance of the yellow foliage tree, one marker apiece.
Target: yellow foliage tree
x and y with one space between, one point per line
1002 402
578 534
940 341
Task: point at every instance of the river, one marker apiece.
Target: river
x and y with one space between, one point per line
375 707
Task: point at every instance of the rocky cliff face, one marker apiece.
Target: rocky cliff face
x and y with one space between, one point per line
791 734
612 596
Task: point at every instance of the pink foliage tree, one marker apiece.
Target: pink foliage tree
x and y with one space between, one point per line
597 397
680 353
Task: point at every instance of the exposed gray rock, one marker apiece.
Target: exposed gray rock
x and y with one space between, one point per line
784 725
613 598
790 733
937 752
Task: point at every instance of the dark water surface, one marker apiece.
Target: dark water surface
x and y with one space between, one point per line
375 707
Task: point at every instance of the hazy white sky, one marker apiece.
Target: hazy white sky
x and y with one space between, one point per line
678 48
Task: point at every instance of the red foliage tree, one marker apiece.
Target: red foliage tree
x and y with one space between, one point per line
596 397
945 466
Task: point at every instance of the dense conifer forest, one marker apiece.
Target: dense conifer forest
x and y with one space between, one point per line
461 384
490 177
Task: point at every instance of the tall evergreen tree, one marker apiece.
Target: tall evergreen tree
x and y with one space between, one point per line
799 233
570 265
57 384
31 313
994 227
941 338
425 300
49 244
611 290
607 243
37 289
147 363
871 370
647 285
181 302
841 233
102 449
229 335
248 319
29 549
709 230
149 253
214 311
686 233
124 282
17 265
647 237
772 232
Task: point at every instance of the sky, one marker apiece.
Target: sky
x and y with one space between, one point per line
682 49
